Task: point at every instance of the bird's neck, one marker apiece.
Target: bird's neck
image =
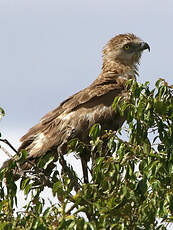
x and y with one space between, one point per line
119 68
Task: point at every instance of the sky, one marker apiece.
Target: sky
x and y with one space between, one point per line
50 49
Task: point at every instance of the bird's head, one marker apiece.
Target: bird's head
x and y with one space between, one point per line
125 49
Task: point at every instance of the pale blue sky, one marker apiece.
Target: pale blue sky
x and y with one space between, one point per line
49 49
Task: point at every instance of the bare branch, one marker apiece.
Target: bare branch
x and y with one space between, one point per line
9 144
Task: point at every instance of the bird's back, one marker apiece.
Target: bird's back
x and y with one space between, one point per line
74 117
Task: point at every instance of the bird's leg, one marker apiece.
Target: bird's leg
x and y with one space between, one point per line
84 169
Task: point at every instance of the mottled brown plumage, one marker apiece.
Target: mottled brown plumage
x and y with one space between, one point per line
75 116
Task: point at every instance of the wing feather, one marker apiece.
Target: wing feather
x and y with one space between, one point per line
103 85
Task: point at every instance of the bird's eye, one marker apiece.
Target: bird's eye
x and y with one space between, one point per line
127 47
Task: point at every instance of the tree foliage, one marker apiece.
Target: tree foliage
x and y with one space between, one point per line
131 174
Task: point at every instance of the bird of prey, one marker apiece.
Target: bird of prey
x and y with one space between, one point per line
74 117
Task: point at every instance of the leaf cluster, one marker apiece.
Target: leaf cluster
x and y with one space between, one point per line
131 174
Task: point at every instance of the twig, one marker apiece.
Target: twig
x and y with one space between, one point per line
85 170
38 174
10 145
67 170
68 212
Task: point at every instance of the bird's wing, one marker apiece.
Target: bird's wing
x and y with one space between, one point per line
101 86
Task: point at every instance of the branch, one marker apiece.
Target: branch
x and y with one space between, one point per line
10 145
67 170
38 173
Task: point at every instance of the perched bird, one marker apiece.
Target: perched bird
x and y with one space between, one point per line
74 117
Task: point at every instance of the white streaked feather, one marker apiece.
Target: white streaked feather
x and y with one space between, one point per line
38 143
65 116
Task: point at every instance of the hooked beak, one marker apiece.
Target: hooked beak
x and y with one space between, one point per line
144 46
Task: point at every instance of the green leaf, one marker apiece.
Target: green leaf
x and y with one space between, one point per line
24 183
28 188
95 131
58 188
4 225
115 104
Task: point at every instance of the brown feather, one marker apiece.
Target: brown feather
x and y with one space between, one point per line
75 116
